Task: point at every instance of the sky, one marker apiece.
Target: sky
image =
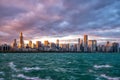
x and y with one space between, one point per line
59 19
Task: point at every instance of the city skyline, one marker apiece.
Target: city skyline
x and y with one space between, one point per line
41 20
63 40
82 45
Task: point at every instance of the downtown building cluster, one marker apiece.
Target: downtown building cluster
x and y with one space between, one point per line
82 45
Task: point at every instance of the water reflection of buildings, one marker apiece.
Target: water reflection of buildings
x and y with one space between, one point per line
85 45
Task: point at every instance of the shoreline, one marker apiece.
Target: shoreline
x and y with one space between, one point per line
58 52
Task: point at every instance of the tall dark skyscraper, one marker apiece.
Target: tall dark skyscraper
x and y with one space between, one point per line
14 44
21 44
78 45
115 47
78 40
85 43
57 43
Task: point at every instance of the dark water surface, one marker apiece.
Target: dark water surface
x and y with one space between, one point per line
59 66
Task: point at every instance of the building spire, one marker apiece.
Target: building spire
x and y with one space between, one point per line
21 44
21 34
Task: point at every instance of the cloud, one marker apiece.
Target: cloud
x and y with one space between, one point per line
59 18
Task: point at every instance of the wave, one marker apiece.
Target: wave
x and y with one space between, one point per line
102 66
13 66
60 70
2 79
110 78
30 78
91 71
27 78
32 68
4 54
69 62
2 73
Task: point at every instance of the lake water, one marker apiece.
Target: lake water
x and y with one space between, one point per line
59 66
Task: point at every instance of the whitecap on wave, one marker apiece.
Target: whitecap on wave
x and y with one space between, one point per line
4 54
2 73
91 71
27 78
69 62
60 70
32 68
102 66
2 79
110 78
13 66
30 78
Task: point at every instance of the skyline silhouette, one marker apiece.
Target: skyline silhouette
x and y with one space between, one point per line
82 45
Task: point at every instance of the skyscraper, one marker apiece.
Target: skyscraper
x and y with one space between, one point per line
46 43
115 47
38 44
108 47
78 45
21 44
85 43
92 44
30 44
78 40
57 43
14 44
81 46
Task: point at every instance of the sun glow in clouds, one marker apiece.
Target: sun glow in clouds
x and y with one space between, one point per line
47 19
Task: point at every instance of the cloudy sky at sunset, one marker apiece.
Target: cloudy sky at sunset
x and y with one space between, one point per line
62 19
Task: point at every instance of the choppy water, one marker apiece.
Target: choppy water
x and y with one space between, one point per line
55 66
